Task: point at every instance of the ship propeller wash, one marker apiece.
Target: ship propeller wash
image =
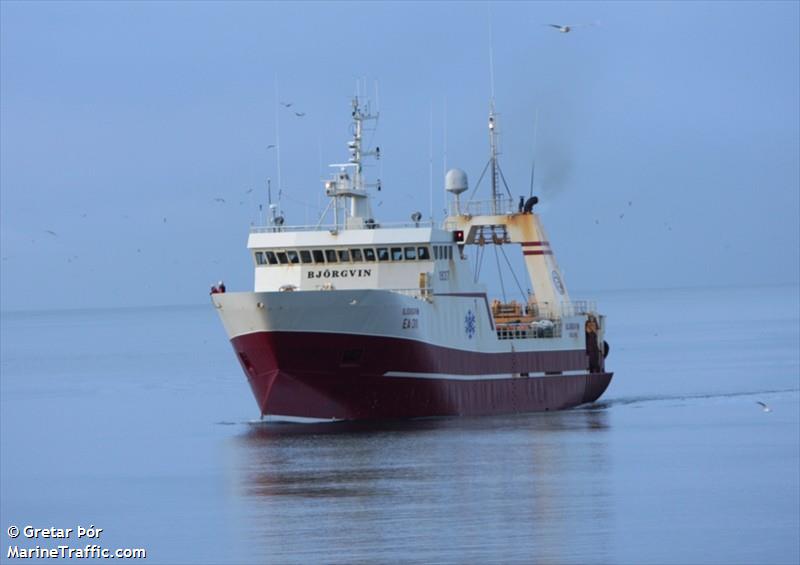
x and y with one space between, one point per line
360 319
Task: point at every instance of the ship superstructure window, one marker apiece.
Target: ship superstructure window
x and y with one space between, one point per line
353 254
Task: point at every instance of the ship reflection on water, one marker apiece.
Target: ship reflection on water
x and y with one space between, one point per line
508 488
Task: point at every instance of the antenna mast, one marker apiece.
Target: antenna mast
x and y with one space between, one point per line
492 121
493 155
533 157
342 187
430 161
278 133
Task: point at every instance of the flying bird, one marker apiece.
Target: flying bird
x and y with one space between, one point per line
270 146
51 232
568 28
764 407
248 191
286 104
222 200
299 114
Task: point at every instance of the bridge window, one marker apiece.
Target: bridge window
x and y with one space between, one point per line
369 254
305 256
397 253
319 256
383 253
356 255
271 257
330 255
423 254
293 257
411 253
260 259
344 256
282 259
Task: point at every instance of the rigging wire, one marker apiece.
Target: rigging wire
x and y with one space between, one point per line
479 261
533 156
472 194
513 274
500 273
503 177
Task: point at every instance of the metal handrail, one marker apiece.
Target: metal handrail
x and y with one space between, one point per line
500 206
335 228
578 307
528 331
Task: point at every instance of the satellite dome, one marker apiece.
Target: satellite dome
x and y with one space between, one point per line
455 181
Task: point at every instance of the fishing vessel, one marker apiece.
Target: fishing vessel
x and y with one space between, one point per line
360 319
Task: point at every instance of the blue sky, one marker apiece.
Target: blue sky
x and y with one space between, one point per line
120 123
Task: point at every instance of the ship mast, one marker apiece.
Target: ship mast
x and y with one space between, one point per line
493 155
350 194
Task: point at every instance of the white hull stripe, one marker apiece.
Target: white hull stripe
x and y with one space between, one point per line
277 418
498 376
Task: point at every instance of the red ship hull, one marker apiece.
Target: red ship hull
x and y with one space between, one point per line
357 377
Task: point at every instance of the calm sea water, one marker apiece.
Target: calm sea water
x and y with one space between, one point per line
140 422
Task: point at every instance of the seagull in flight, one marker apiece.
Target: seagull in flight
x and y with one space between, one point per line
764 407
51 232
286 104
248 191
299 114
570 27
222 200
271 146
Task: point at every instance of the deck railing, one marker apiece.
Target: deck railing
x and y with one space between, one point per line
501 205
419 293
334 228
578 307
529 331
